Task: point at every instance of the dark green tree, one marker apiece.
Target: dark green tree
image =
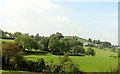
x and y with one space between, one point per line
90 51
44 43
37 37
24 41
58 35
106 44
74 42
54 45
65 45
78 50
33 44
16 34
90 40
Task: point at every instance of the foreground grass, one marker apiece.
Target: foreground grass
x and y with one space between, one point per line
99 63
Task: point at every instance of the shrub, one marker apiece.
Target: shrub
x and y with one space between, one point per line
66 65
9 52
70 67
64 59
30 65
53 68
40 65
90 51
12 64
21 63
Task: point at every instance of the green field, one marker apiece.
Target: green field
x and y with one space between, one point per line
99 63
6 40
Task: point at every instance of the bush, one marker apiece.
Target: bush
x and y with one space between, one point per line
21 63
40 65
70 67
9 50
12 64
66 65
90 51
3 61
30 65
64 59
53 68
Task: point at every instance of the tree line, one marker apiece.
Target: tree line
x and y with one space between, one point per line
55 44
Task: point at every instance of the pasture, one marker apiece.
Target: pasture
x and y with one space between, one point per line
101 62
6 40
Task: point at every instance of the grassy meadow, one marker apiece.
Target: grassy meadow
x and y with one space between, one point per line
102 62
6 40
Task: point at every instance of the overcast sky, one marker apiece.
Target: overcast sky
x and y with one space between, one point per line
96 20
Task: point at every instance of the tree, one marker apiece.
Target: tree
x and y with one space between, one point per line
99 42
65 45
90 40
94 41
24 41
16 34
58 36
106 44
44 43
74 42
90 51
54 45
33 44
32 36
78 49
37 37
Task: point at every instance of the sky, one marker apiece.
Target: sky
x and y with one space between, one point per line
96 19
